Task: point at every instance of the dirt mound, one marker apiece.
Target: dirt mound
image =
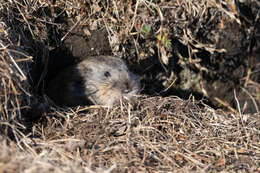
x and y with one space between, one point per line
155 134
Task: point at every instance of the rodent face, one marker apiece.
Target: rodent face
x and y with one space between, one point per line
109 80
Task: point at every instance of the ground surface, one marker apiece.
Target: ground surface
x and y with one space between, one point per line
205 52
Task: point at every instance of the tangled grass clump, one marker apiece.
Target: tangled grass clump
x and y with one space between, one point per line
14 72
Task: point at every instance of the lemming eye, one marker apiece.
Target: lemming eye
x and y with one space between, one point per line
107 74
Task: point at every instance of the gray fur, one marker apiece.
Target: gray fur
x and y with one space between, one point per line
99 80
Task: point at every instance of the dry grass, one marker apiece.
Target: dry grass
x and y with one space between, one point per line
14 73
154 135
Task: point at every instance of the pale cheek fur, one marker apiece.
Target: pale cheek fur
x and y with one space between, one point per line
107 96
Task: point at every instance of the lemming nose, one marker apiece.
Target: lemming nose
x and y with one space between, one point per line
126 91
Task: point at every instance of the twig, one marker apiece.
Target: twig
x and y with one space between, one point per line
238 105
226 105
13 61
253 100
73 27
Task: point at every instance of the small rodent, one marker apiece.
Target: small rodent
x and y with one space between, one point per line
101 80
